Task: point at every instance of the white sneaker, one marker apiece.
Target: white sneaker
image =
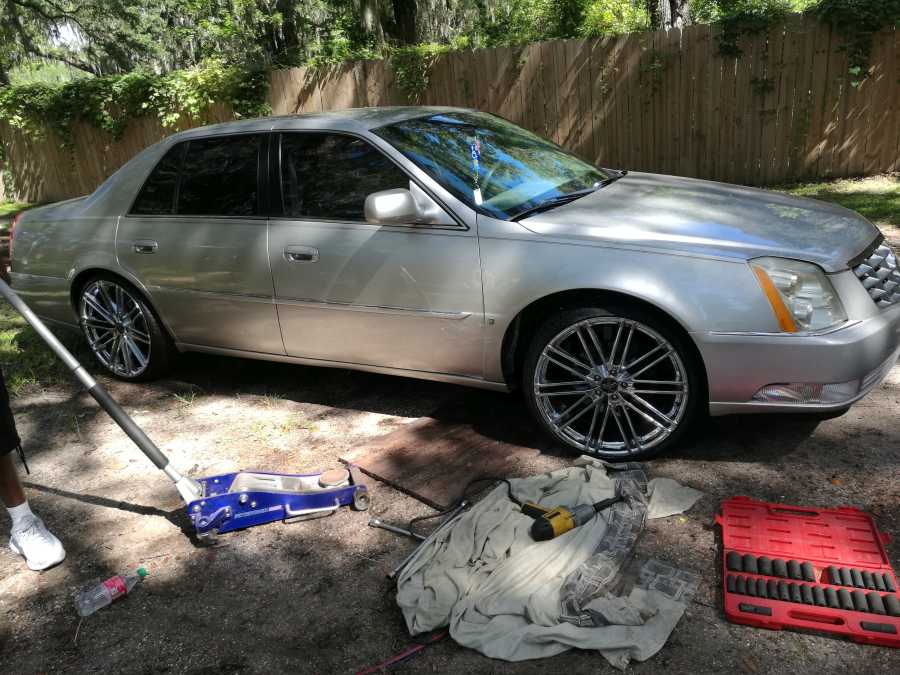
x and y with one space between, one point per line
37 545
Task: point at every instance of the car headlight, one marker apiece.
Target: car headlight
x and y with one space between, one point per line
800 293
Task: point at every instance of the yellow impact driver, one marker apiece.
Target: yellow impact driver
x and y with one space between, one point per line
552 522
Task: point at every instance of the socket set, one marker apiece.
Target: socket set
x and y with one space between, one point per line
808 568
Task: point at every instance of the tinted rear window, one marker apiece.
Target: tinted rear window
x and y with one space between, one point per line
158 194
219 177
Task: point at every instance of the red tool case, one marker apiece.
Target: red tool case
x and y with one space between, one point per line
809 568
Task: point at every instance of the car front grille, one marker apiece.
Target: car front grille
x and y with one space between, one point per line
880 276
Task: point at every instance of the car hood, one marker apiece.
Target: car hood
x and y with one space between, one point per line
706 218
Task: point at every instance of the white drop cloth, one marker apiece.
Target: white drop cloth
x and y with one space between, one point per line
499 590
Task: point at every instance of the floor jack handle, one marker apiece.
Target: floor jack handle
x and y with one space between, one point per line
187 488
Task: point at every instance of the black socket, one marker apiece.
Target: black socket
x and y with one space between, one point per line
794 571
806 594
779 568
783 591
819 596
846 600
876 606
846 578
733 561
761 588
750 564
859 601
741 585
765 565
888 582
809 572
892 605
772 589
834 575
857 578
751 586
868 581
879 582
831 597
796 596
729 583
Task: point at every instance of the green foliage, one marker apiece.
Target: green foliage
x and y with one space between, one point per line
614 17
28 364
412 66
8 209
858 21
108 103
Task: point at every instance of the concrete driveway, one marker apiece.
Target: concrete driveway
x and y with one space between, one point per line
312 597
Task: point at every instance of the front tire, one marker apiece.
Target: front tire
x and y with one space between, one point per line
122 330
616 382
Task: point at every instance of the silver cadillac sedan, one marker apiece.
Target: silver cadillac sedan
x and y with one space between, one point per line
452 245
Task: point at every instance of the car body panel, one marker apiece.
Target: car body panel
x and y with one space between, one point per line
439 302
401 297
706 218
209 277
523 268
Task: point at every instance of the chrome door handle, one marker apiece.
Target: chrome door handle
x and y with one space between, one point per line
145 246
298 254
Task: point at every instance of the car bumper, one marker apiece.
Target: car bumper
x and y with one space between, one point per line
854 360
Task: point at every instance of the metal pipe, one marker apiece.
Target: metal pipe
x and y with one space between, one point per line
188 489
408 559
378 522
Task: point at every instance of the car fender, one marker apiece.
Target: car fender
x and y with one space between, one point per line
101 261
700 294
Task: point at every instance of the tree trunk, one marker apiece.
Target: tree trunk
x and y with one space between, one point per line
673 13
405 20
370 18
290 40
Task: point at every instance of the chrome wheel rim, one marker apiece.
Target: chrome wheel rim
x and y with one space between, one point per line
116 328
611 385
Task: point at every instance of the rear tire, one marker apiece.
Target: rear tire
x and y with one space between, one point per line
615 382
122 330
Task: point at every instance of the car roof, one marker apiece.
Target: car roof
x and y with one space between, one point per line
350 119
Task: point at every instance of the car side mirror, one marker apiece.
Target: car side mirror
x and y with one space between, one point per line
405 207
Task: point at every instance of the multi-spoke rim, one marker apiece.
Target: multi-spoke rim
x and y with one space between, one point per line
116 328
611 385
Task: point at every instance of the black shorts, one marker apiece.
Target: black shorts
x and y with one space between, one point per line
9 437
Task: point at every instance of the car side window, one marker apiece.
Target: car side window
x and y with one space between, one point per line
219 177
329 176
157 197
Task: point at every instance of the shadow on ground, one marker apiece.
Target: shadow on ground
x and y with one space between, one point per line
312 597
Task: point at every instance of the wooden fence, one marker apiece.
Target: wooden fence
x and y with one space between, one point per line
666 101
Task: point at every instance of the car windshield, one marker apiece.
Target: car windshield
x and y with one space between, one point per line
490 164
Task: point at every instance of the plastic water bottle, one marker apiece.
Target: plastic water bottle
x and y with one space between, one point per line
92 599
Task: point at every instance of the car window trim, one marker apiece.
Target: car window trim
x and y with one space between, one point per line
277 204
130 212
478 209
262 180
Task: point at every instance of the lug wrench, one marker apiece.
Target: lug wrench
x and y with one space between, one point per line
447 520
377 522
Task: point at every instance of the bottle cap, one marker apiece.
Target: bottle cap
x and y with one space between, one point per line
142 572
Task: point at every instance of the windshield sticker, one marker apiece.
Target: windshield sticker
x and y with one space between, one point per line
475 148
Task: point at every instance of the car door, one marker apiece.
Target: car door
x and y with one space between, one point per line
397 296
196 238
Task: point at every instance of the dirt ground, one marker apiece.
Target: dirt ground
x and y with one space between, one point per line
312 597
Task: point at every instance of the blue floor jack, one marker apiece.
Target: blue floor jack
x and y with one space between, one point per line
231 501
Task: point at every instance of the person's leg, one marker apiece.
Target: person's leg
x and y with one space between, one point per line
29 537
11 492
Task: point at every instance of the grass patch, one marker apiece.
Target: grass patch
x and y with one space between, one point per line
9 209
28 363
877 198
